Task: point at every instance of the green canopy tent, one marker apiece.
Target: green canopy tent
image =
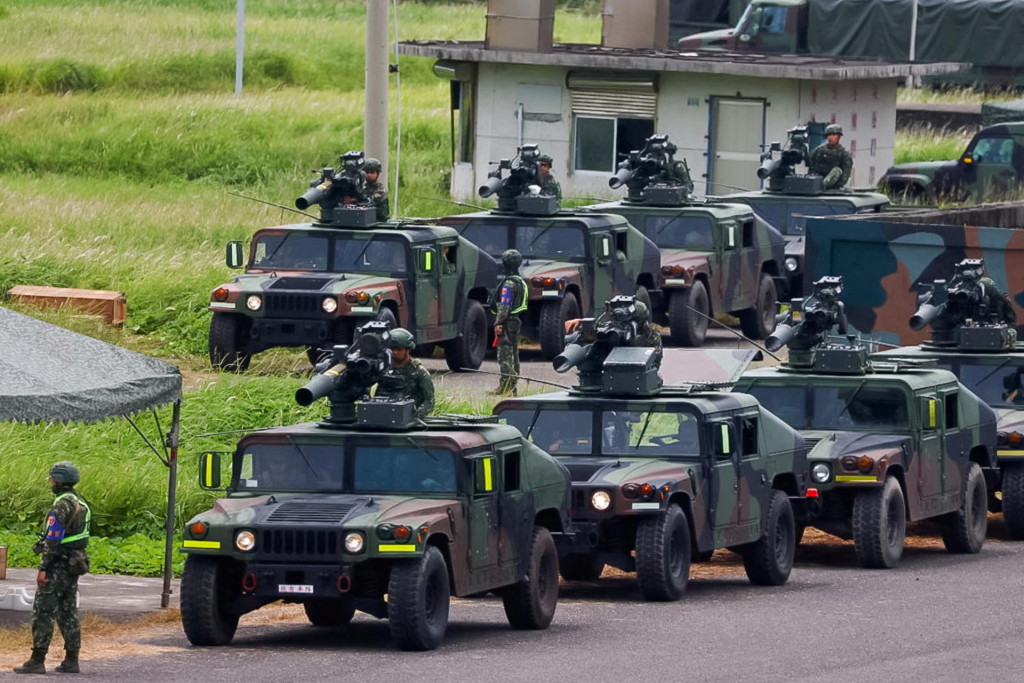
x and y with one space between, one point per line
49 374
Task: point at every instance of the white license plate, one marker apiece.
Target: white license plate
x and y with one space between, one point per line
294 588
646 506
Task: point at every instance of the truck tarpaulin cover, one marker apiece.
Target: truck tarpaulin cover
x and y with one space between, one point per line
976 31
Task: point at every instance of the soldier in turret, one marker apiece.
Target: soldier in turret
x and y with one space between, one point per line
375 191
548 185
831 160
647 334
406 377
512 300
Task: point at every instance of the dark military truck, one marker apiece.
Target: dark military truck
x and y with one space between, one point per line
572 262
311 284
715 257
889 442
373 510
665 475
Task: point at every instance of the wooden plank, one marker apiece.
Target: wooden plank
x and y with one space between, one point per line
109 305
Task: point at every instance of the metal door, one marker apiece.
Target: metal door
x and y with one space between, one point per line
735 139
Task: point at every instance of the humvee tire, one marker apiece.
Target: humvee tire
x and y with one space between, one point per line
769 561
963 531
531 603
468 349
879 525
759 322
580 567
1013 500
204 594
327 612
553 315
226 346
419 597
663 555
688 327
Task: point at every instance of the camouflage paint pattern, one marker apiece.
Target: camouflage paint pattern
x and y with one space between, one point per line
882 259
483 527
57 601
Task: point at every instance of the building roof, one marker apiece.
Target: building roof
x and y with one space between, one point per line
579 55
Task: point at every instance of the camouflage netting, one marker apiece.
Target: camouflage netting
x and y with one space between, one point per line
1002 112
49 374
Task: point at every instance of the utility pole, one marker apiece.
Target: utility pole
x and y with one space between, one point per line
375 122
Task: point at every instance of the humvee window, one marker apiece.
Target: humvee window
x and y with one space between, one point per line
995 385
290 467
547 241
291 251
681 232
652 434
402 468
951 410
493 239
375 254
850 407
558 432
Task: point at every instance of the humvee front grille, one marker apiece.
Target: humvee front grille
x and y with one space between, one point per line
301 283
315 513
294 543
279 304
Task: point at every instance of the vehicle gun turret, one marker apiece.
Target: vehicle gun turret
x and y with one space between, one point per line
652 175
520 189
603 356
341 195
780 172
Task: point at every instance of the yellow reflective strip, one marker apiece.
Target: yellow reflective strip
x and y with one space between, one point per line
725 439
856 477
209 472
212 545
488 481
396 548
428 262
1010 453
931 413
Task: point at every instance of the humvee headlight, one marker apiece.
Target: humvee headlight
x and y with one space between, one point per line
821 473
791 264
245 540
254 302
601 500
354 542
631 490
674 271
329 304
402 533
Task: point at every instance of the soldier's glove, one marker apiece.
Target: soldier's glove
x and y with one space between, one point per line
37 548
833 177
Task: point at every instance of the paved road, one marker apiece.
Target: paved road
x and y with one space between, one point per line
938 617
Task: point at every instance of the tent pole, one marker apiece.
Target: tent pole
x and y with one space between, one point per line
172 485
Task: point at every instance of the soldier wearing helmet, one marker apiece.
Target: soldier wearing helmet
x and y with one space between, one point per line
512 300
647 334
831 160
406 377
64 559
548 185
375 191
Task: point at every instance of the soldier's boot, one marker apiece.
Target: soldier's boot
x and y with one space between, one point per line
70 663
35 665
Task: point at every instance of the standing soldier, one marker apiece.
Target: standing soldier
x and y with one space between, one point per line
548 185
64 559
512 296
376 192
406 377
831 160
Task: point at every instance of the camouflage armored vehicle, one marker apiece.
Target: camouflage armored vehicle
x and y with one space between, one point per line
973 336
715 257
572 261
374 510
665 475
788 199
990 169
310 284
889 442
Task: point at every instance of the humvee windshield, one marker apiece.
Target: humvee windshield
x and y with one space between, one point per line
653 434
542 240
995 384
339 253
854 406
680 232
349 468
790 217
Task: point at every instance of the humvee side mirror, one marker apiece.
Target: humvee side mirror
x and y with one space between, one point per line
209 471
930 413
235 257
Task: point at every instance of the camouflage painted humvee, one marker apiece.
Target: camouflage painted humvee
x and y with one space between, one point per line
311 284
663 475
373 503
889 442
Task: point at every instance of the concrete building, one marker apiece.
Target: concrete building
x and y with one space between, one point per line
589 105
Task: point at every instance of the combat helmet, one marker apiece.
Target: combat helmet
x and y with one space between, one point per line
372 165
511 259
65 472
833 129
643 313
545 159
401 338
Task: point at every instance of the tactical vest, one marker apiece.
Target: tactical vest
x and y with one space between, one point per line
79 524
517 307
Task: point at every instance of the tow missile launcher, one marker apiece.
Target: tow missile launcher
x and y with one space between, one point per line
653 176
341 195
780 172
520 190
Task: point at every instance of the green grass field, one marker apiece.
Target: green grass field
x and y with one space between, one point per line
120 143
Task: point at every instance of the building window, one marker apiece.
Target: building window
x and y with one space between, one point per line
601 142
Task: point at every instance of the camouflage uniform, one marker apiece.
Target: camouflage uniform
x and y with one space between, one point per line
647 335
999 303
378 197
825 158
511 302
409 381
548 185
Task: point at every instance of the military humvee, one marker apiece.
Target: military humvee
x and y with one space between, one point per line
311 284
373 503
715 257
663 475
572 262
889 442
977 345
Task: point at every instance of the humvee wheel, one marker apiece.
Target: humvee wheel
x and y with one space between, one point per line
769 561
418 600
227 347
685 321
553 315
1013 500
468 349
663 555
879 525
963 531
759 322
207 586
531 603
326 612
580 567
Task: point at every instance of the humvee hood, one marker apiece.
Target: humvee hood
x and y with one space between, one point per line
547 268
333 282
703 41
831 445
321 509
698 260
1009 420
618 471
